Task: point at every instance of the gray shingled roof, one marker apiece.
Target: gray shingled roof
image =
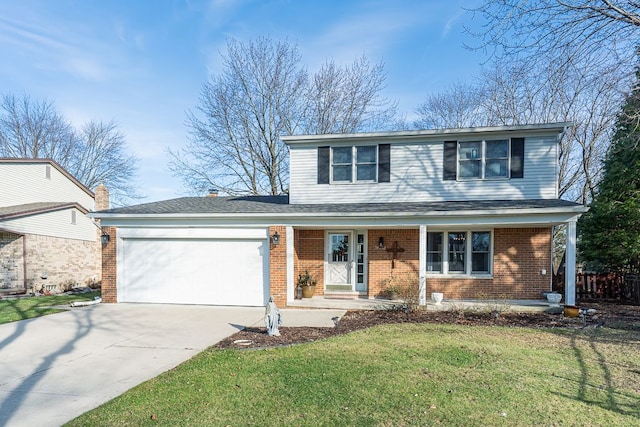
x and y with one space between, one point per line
280 205
34 208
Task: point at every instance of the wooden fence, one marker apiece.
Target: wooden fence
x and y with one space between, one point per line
602 286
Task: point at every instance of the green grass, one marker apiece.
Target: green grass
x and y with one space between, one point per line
400 375
12 310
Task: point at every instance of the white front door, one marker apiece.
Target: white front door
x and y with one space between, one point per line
339 271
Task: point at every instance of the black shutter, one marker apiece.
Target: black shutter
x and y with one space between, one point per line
450 160
384 163
517 157
323 165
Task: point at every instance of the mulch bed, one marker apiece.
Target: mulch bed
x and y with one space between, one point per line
607 315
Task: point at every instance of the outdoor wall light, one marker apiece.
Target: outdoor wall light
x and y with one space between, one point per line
381 242
105 239
275 239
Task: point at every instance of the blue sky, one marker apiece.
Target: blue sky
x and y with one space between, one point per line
142 63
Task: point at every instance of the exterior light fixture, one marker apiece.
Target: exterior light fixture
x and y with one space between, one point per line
381 242
104 238
275 239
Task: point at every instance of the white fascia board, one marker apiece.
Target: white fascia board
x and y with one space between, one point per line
432 133
504 216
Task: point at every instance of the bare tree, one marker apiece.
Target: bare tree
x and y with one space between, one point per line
100 157
235 140
347 99
34 129
459 105
262 93
94 154
597 32
518 94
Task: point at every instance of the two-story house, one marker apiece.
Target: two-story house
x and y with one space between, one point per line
46 237
466 212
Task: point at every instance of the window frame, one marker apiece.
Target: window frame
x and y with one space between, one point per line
482 154
468 253
354 164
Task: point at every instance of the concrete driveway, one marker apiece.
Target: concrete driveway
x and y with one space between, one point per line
54 368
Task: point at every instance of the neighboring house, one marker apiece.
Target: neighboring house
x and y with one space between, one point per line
46 237
467 212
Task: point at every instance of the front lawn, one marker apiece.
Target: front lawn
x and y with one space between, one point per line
401 374
12 310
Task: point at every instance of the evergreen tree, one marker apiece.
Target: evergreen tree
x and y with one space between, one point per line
610 231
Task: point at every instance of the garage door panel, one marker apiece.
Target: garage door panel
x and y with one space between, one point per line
195 271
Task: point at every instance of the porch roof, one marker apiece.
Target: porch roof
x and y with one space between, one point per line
272 207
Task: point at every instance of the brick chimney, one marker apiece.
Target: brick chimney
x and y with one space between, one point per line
212 192
102 197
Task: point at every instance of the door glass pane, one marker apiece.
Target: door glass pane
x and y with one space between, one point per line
457 248
340 248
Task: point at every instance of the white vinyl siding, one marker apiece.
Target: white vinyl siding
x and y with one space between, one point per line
24 183
55 224
416 175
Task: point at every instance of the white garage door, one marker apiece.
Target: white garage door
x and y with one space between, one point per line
194 271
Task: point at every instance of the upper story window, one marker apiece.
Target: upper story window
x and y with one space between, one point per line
483 159
486 159
360 163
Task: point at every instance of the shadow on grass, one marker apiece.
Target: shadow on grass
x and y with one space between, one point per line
595 374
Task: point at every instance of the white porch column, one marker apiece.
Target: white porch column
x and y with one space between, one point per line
290 278
422 266
570 265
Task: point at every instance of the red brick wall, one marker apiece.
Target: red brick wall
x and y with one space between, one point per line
519 256
309 255
406 263
278 266
109 271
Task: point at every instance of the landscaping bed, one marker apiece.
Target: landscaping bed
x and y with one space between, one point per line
609 315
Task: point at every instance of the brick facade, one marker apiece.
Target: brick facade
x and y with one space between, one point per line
278 266
48 262
520 255
380 259
109 266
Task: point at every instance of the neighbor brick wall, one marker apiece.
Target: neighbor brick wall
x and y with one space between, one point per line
309 255
109 269
519 256
11 263
406 263
65 261
278 266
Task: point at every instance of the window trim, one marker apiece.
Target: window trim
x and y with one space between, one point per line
444 253
354 164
